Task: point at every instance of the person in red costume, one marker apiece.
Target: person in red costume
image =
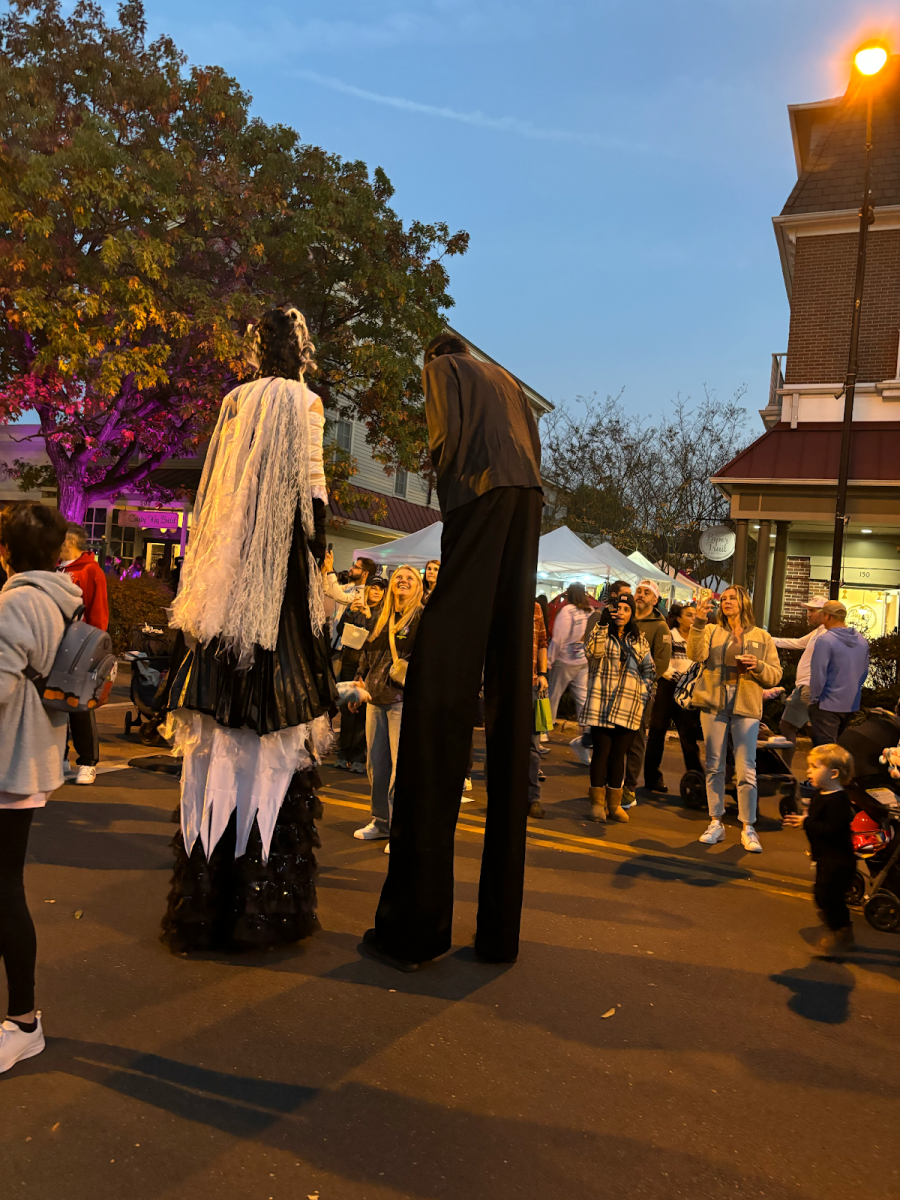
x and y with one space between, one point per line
82 568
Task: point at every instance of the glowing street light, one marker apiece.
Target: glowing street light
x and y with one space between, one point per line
870 59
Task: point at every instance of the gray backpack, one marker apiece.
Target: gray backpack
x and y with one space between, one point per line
83 670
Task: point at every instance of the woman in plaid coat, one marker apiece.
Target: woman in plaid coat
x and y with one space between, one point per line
620 682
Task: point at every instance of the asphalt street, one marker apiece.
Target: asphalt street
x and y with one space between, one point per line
667 1030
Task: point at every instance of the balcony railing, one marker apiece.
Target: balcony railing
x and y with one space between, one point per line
771 414
776 380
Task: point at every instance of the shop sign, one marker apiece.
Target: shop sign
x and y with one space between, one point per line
155 518
717 543
877 577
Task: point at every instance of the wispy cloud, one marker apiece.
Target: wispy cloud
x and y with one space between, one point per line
498 124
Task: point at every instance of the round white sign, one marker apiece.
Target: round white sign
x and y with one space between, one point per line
717 543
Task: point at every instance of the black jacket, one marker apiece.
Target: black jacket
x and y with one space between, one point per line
482 431
376 660
827 826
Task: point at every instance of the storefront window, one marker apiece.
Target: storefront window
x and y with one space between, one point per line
121 542
95 526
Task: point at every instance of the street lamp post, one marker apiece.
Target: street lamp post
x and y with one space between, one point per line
868 61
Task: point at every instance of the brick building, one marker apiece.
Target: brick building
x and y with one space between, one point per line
783 487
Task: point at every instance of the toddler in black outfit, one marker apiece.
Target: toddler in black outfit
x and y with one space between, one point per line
827 826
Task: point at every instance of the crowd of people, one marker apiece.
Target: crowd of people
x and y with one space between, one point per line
270 644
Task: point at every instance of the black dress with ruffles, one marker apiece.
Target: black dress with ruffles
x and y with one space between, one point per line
223 903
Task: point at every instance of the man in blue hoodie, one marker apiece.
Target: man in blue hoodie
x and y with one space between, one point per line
840 664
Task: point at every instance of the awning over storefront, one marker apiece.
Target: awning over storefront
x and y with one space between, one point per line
811 453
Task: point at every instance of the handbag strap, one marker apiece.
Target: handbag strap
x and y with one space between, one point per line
394 655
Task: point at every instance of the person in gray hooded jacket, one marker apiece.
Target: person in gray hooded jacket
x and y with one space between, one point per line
33 602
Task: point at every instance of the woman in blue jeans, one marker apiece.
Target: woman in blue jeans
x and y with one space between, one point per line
382 670
739 662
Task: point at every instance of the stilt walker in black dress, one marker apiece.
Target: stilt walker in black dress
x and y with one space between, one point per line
251 701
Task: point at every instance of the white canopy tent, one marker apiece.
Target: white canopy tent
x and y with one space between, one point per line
414 550
684 589
563 557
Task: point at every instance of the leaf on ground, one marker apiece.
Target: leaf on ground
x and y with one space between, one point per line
79 913
609 1013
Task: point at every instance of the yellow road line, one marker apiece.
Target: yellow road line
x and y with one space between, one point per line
574 843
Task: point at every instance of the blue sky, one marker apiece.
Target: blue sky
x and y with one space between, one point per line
616 163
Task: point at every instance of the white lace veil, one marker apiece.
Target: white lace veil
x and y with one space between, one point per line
256 473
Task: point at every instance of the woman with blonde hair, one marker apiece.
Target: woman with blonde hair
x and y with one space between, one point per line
382 671
739 662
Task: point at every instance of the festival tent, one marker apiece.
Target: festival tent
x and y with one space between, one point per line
414 550
684 587
623 567
564 557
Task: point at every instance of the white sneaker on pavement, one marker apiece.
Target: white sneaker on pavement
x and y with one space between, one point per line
16 1045
86 775
545 737
580 751
750 840
714 832
370 832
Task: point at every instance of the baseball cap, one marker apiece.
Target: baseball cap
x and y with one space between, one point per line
648 583
834 608
816 602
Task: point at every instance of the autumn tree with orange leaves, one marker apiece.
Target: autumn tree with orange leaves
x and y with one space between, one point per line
146 218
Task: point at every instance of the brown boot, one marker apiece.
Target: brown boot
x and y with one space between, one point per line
836 941
598 804
614 804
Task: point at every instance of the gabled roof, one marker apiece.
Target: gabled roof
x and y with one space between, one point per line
402 515
829 145
811 454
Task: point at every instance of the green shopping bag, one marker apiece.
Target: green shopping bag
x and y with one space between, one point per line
543 721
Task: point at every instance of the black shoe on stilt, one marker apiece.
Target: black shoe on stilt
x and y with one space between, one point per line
370 947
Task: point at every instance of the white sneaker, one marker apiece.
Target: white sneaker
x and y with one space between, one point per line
580 751
464 799
86 775
16 1045
370 832
715 832
750 840
545 737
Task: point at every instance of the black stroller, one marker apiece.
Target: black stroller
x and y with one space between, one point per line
151 648
773 776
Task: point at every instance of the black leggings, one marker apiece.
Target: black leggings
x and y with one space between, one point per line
611 748
18 945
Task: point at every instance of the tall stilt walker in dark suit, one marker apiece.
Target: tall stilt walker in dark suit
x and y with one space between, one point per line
486 454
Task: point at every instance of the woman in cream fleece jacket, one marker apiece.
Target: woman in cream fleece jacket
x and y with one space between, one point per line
739 662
